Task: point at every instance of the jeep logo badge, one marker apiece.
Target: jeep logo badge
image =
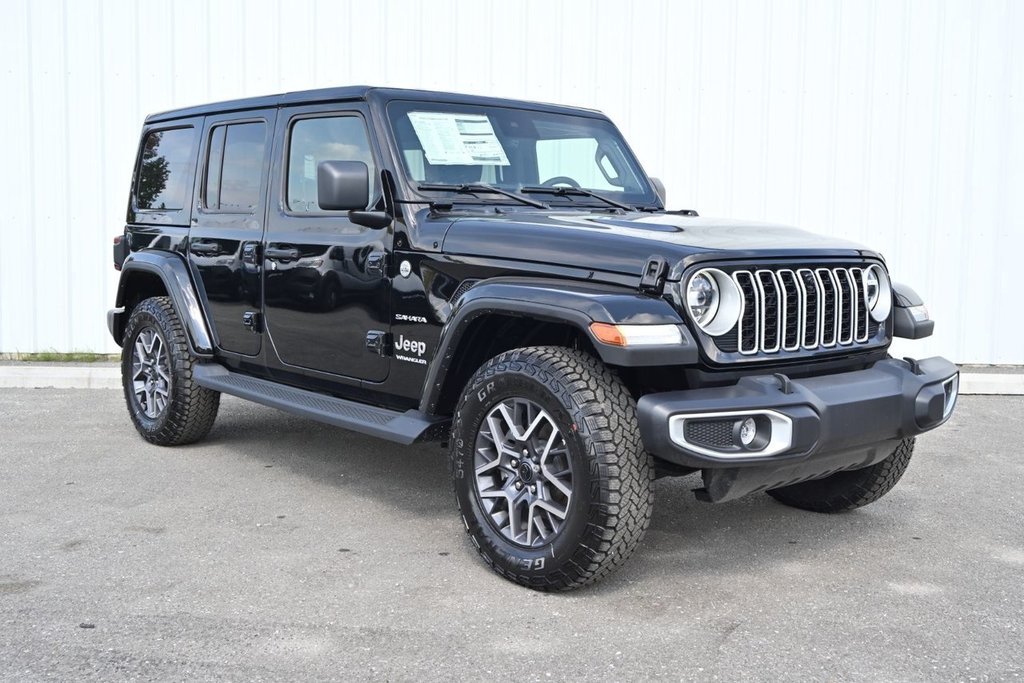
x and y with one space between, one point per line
410 346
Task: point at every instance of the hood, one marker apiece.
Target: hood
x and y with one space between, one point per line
623 243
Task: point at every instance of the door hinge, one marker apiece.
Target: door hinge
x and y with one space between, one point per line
378 342
253 321
652 281
376 262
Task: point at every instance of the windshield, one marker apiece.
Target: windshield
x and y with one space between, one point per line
512 149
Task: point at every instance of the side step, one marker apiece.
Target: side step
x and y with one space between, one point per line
404 428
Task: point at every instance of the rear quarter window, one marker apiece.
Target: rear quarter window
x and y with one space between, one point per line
165 170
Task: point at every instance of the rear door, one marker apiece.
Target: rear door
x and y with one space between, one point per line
227 225
324 276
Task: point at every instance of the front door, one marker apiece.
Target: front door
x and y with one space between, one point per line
324 278
227 225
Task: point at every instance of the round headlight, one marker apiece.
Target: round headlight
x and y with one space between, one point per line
870 287
702 298
713 300
877 293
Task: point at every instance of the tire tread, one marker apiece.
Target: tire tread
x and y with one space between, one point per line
192 409
849 490
621 490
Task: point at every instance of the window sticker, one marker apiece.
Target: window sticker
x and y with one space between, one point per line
458 139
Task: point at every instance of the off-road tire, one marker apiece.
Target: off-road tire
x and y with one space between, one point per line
191 409
851 489
612 500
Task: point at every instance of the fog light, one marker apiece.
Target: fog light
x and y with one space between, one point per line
748 430
733 434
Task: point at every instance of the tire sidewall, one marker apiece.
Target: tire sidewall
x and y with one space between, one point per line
143 318
481 396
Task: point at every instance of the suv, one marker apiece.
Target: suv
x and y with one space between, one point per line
504 277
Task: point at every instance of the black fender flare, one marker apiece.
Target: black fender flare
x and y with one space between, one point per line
904 324
173 271
577 304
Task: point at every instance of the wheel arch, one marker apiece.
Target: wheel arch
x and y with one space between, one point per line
145 274
505 313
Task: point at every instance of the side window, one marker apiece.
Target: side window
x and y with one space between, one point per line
164 170
327 138
234 167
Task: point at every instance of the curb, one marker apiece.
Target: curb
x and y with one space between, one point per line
991 383
32 376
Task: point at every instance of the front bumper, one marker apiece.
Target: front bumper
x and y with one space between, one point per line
812 427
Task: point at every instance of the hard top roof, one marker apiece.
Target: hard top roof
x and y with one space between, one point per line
353 93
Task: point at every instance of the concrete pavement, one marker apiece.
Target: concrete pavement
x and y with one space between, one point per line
281 549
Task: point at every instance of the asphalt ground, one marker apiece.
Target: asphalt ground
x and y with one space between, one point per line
280 549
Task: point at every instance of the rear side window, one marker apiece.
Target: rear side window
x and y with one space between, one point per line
165 170
234 168
327 138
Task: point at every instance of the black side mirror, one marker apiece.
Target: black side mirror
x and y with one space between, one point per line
659 188
342 185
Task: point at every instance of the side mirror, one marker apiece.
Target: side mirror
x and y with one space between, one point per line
342 185
659 188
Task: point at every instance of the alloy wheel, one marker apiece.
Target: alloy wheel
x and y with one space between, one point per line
151 373
523 472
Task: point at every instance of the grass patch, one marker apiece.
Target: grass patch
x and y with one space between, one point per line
58 357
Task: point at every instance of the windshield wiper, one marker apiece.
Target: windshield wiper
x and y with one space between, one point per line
578 191
481 188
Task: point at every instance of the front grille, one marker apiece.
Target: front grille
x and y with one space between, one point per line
799 309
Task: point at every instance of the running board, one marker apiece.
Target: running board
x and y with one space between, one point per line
404 428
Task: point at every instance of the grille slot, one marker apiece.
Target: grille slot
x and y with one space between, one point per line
801 309
710 433
463 287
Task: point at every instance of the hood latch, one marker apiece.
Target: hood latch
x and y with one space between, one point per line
652 281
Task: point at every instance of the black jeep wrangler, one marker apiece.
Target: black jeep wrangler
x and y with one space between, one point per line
504 277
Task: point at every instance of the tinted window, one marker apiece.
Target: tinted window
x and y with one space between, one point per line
164 169
235 167
452 144
333 138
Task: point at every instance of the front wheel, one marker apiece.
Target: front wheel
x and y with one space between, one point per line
166 405
851 489
550 474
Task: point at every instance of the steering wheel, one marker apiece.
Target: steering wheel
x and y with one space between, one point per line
561 180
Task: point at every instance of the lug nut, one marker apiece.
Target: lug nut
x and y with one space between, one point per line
525 452
514 463
519 486
533 489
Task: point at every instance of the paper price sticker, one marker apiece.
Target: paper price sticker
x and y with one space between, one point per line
458 139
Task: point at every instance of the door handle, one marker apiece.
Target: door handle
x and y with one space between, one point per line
281 253
204 248
375 263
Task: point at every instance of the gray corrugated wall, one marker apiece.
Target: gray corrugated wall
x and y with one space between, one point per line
898 124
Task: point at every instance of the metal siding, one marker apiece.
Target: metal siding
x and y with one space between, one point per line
891 123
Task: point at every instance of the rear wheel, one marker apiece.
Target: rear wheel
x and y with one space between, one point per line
167 407
851 489
550 474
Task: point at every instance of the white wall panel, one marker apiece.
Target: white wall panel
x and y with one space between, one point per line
894 123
